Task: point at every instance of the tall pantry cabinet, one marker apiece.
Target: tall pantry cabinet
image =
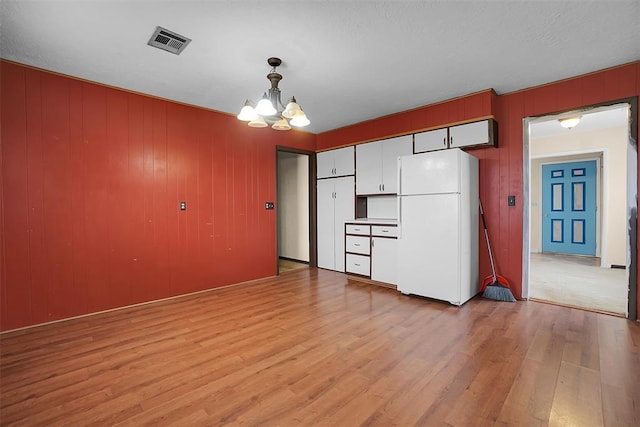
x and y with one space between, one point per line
335 191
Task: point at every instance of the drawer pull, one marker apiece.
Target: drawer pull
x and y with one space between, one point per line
385 231
356 244
356 264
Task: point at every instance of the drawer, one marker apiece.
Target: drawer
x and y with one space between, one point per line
358 244
358 264
358 229
384 231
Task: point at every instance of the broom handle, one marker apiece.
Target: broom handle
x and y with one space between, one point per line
486 236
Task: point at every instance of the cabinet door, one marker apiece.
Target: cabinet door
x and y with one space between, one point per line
431 140
369 168
476 133
391 150
343 212
343 161
324 164
325 224
384 262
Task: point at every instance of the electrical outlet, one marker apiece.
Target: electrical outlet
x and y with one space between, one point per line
268 205
511 200
183 206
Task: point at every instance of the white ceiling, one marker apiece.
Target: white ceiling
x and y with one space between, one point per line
345 61
595 119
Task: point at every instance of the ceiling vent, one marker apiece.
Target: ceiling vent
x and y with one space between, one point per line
168 40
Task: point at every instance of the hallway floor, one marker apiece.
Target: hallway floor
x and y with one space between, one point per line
578 282
285 265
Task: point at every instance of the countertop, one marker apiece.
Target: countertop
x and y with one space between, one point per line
382 221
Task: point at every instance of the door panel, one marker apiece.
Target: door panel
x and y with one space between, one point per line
429 173
325 224
324 164
469 134
391 150
384 260
343 161
569 208
431 140
368 168
344 206
429 246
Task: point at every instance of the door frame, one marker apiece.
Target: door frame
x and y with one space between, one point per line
632 195
311 156
601 211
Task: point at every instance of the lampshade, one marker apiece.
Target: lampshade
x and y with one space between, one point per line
258 122
292 109
265 107
300 120
281 125
247 113
270 110
569 122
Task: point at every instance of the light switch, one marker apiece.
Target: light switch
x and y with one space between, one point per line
511 200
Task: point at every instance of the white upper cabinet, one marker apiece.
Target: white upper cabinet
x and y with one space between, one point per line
368 168
477 133
377 165
334 163
431 140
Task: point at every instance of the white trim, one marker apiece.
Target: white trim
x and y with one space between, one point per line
526 165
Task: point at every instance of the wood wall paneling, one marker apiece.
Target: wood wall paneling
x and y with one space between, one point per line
16 301
92 178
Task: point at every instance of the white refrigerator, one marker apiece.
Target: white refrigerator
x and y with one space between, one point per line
438 225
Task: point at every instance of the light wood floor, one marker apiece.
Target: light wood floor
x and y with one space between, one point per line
286 265
310 348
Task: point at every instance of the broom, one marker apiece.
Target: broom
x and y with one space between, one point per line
495 287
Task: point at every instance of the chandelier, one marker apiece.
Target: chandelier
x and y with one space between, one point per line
269 110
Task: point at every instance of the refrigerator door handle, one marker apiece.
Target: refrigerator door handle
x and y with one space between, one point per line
399 217
399 177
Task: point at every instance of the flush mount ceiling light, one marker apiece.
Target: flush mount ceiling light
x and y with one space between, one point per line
569 122
270 110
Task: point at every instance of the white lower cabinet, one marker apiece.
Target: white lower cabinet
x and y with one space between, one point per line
335 206
370 250
358 264
358 245
384 262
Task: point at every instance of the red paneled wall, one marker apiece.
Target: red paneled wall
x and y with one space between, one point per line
91 181
501 168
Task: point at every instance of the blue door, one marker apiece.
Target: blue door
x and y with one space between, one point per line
569 208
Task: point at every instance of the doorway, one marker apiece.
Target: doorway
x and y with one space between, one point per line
580 197
295 245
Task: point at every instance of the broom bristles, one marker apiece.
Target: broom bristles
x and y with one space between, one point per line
496 291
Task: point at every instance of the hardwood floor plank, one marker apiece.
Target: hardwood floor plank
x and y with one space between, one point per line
578 397
314 348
